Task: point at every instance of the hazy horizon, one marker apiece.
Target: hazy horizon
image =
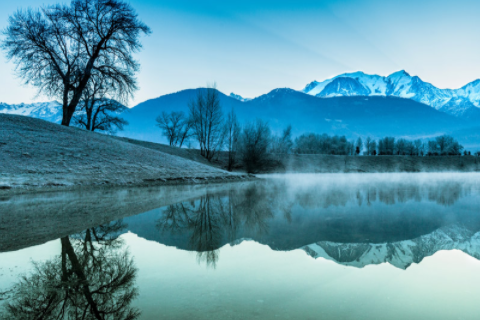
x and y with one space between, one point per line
253 47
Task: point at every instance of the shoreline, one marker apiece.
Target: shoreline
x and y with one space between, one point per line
6 191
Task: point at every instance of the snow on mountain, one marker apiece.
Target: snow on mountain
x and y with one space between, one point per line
400 84
49 111
344 86
238 97
399 254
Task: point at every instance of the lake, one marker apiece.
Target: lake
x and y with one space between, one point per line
330 246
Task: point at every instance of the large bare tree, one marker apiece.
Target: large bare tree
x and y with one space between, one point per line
58 48
207 121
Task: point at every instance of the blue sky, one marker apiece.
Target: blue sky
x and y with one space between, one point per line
251 47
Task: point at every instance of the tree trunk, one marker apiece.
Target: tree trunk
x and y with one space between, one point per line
77 268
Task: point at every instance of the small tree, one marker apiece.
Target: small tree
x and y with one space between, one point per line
254 146
206 117
283 144
368 145
232 130
386 146
358 146
176 127
373 146
418 147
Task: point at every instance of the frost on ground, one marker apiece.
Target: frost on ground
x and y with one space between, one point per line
36 153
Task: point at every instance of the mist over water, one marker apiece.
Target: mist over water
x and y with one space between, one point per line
220 251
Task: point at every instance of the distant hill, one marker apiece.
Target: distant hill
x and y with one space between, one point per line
351 116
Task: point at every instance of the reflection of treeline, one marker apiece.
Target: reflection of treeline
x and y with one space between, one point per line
319 197
93 277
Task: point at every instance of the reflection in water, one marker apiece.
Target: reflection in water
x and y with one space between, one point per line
92 278
218 216
400 254
352 222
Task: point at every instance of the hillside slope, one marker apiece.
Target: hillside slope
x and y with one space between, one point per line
36 153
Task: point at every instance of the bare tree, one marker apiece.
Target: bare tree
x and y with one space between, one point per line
358 146
368 146
98 111
176 127
58 48
418 147
373 149
283 144
254 146
232 131
206 117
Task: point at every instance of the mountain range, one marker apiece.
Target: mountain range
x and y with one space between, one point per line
49 111
463 102
352 116
351 104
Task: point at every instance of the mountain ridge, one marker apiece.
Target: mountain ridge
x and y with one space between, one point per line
400 84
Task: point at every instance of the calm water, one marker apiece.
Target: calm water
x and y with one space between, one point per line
371 246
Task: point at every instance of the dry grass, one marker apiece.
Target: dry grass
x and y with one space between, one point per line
36 153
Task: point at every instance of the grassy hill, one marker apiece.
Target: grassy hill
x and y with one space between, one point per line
36 153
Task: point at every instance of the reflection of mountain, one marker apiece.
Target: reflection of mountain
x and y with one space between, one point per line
401 254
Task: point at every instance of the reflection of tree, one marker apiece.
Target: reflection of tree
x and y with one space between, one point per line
214 219
92 278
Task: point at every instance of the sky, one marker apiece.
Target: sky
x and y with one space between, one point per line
251 47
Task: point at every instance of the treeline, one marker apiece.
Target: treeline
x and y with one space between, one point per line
338 145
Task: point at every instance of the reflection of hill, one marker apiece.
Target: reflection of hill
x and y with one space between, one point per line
400 254
27 220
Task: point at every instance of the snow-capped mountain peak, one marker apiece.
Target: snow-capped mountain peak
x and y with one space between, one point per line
49 111
399 84
239 97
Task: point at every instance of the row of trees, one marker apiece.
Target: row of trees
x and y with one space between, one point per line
339 145
440 146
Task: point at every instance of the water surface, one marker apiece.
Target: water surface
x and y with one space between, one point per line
345 246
